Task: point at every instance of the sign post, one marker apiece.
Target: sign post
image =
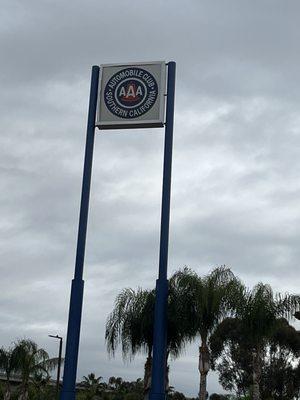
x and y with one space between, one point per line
131 96
159 366
73 334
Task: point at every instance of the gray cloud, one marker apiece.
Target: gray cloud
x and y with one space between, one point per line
235 172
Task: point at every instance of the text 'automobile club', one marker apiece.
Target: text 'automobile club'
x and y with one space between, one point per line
132 96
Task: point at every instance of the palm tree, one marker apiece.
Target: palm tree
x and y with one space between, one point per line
40 381
207 301
31 361
8 364
117 385
258 322
131 325
92 385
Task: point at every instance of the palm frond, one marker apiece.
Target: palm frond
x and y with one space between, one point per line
129 324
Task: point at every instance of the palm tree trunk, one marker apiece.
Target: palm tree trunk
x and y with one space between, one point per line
204 367
24 394
203 383
147 375
167 384
256 394
7 394
256 375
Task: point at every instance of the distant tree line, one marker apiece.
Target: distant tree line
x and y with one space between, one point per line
29 378
244 334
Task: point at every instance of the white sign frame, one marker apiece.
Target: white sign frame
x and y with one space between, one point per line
140 122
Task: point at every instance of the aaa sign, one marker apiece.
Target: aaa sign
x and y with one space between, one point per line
132 96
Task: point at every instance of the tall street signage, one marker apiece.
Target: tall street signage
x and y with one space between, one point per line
132 95
126 96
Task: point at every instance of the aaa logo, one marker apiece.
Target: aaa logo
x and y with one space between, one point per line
130 93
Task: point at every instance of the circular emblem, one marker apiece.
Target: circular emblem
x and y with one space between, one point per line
130 93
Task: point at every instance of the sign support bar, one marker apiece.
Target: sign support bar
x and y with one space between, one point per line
159 366
73 335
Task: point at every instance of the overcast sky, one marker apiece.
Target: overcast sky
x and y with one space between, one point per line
236 165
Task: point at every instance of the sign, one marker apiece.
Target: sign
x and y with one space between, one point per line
132 95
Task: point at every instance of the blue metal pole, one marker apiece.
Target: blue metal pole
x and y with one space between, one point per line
73 335
158 385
